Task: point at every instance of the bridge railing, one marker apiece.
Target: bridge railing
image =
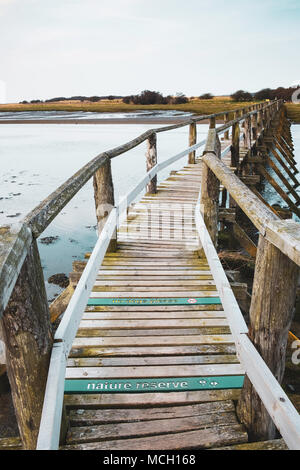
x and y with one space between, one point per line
263 403
23 301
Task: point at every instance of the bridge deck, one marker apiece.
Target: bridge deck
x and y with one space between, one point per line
182 356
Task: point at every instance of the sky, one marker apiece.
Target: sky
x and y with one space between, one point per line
101 47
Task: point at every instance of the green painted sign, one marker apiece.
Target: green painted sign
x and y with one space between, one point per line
156 301
153 385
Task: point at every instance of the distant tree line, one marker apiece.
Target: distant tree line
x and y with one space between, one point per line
264 94
147 97
93 99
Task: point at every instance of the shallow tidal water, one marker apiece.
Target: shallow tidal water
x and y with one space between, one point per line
37 158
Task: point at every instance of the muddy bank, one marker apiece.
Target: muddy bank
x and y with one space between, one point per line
101 121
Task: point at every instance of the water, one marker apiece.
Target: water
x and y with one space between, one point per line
36 159
31 115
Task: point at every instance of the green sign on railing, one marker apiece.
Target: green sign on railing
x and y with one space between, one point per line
153 385
155 301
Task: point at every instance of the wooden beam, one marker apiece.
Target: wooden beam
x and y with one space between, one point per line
210 188
241 236
192 141
104 199
151 161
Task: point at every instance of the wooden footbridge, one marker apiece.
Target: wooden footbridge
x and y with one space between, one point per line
152 351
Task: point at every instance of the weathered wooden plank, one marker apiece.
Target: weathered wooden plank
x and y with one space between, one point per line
158 283
205 330
154 341
277 444
149 351
212 436
133 400
205 296
154 315
151 361
106 432
152 324
145 288
91 417
162 371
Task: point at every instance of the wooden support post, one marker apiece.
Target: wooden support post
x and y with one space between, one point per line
104 199
192 141
151 161
247 132
235 146
254 127
259 121
28 339
271 313
212 122
210 188
226 119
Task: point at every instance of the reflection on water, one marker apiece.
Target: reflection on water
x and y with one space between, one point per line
36 159
91 115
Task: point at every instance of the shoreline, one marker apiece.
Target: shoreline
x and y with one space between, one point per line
102 121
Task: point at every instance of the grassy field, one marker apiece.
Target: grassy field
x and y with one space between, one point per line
293 111
196 106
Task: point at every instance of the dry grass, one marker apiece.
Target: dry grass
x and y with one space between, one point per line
293 111
216 105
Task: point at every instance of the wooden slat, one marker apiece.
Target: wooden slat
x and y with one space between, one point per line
91 350
106 432
91 417
154 315
151 361
213 436
150 324
132 293
133 400
154 341
147 372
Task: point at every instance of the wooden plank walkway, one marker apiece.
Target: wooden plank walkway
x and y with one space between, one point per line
160 348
